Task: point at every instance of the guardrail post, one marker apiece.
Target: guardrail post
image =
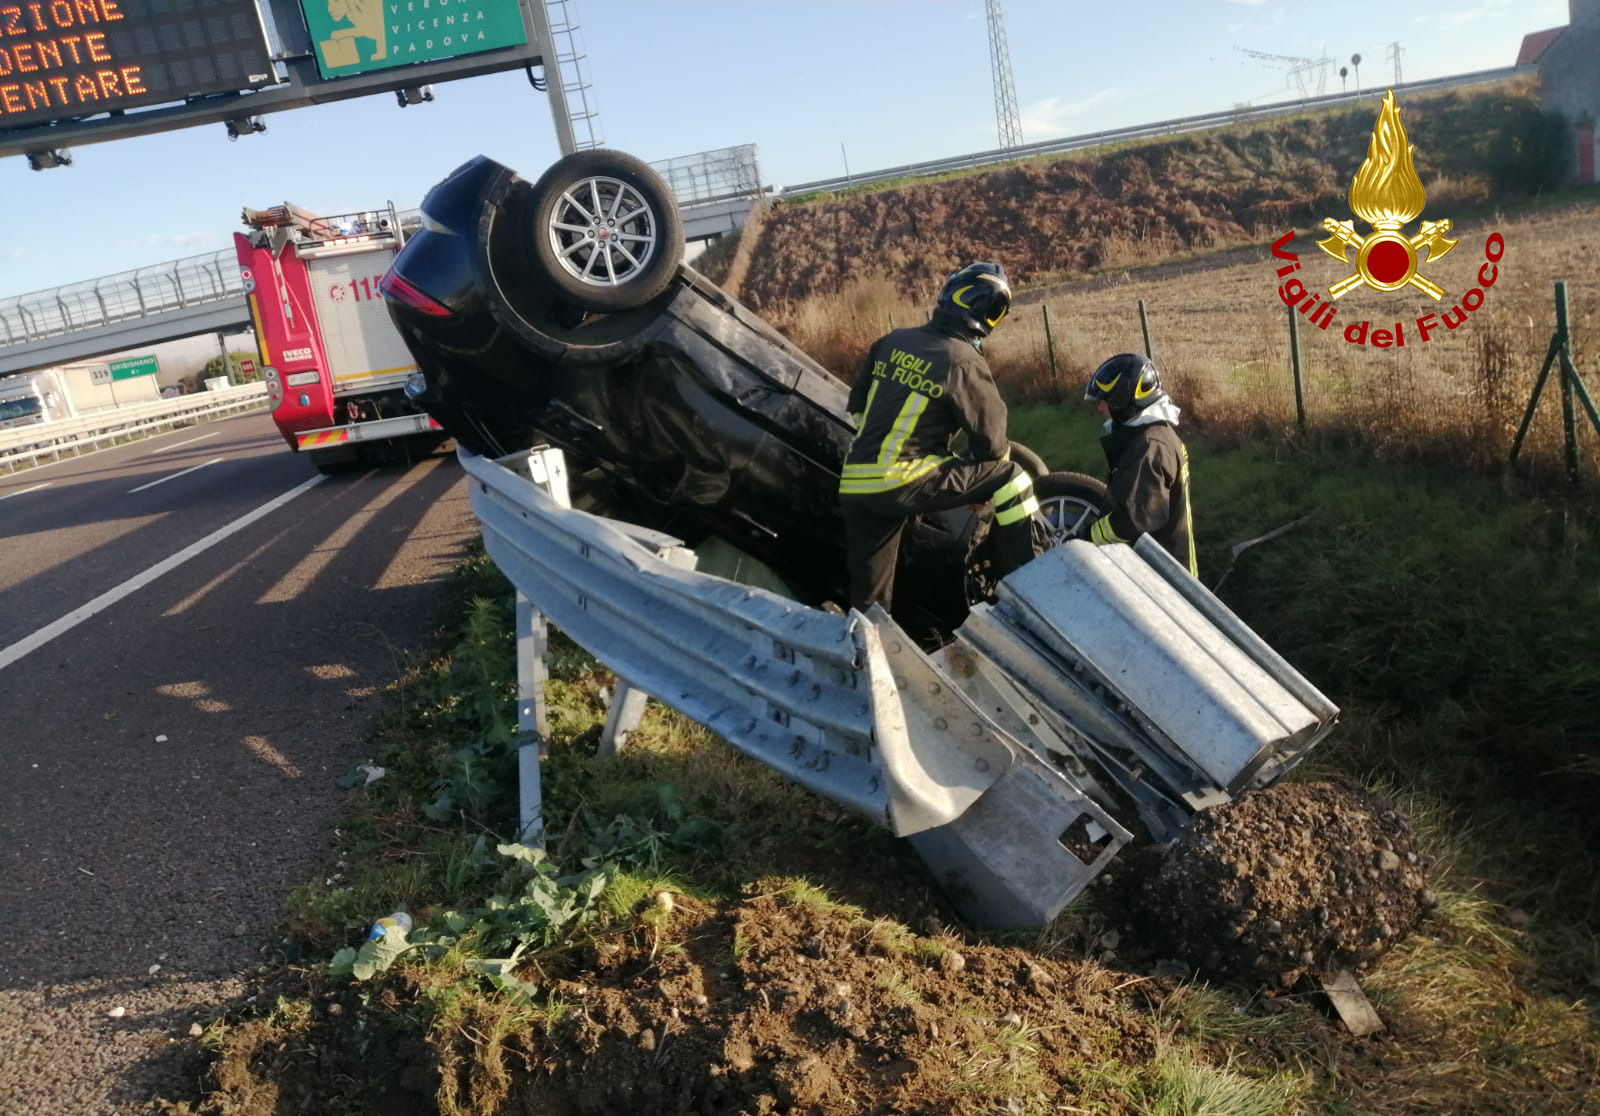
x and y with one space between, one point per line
533 640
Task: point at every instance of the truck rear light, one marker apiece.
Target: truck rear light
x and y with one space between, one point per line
404 293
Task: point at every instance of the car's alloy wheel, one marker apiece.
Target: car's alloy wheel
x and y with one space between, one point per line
603 232
606 232
1067 504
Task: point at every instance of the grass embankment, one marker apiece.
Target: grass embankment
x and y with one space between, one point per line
1454 626
1053 218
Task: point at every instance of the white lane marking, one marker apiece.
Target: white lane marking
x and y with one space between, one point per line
44 635
185 442
25 491
174 476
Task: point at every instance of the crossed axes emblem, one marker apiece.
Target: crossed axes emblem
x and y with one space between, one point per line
1430 236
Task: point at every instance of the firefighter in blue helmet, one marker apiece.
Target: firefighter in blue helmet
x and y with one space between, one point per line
1148 493
916 390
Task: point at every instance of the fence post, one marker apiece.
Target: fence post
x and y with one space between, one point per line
1559 357
1569 425
1050 346
1144 327
1295 362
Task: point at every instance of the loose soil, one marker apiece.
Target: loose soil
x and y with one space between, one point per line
1293 881
784 1002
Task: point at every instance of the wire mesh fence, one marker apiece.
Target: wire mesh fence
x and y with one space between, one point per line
1221 338
727 172
1456 394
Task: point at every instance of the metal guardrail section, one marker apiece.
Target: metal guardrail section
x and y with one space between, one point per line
1175 126
846 706
28 444
1096 679
1138 679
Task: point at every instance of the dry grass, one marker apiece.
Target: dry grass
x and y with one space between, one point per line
1220 334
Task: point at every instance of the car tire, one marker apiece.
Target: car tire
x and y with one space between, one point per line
1029 460
1068 503
606 231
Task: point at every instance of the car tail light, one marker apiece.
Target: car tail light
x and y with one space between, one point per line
404 293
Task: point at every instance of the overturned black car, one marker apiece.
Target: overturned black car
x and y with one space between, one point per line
560 312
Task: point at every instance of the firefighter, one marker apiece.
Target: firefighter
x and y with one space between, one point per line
916 389
1148 492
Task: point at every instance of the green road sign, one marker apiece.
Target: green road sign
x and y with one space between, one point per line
358 36
133 366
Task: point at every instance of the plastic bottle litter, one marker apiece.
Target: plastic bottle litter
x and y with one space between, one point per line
398 921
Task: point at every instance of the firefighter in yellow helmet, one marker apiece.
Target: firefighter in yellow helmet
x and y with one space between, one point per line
916 390
1148 493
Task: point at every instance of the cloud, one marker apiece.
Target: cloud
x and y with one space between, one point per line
1460 17
182 243
1055 117
1248 3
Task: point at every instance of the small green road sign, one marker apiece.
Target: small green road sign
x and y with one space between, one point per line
132 367
357 36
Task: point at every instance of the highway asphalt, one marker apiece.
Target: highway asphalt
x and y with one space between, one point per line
195 630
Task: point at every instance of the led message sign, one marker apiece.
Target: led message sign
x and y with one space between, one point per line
68 59
356 36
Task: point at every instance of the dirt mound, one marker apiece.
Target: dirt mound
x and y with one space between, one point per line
1297 879
786 1001
778 1004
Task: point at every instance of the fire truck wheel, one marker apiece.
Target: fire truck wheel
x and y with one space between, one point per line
606 230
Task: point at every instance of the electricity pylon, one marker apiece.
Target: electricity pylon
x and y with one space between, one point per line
1008 122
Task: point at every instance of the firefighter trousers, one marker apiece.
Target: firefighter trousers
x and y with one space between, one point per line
874 521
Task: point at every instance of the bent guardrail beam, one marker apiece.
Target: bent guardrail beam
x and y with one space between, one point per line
1095 680
846 706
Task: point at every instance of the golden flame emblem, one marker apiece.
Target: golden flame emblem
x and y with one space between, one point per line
1387 194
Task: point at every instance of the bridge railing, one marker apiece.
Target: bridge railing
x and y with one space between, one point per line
88 304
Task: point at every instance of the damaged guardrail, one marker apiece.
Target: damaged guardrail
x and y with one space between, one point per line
1007 763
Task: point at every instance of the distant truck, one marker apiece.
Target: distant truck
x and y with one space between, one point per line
334 364
52 394
33 398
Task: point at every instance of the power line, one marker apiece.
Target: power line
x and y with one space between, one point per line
1308 77
1395 50
1008 122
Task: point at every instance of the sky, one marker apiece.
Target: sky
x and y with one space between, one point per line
818 86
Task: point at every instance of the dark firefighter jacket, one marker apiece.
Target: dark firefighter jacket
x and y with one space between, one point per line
917 388
1149 490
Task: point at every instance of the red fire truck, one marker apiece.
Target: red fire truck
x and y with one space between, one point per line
334 364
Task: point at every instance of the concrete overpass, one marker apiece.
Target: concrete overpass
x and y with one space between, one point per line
185 298
164 302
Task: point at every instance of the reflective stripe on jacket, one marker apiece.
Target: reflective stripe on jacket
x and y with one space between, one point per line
916 389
